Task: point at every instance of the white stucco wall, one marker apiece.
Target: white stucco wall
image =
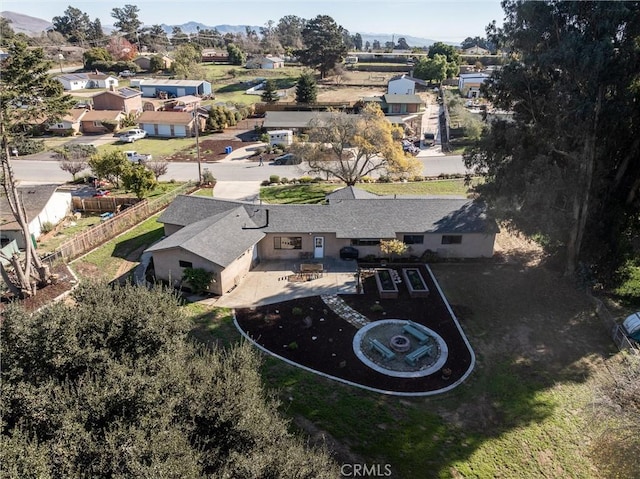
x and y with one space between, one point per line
401 86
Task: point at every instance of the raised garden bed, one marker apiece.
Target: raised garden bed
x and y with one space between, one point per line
387 288
415 283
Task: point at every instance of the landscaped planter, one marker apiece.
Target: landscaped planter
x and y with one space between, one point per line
415 283
387 288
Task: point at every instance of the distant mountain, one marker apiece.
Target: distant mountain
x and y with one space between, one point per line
387 37
30 26
192 27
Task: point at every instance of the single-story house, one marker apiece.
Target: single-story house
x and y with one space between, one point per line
405 85
228 238
214 56
476 50
101 121
293 120
267 62
168 124
42 204
401 104
127 100
70 124
164 88
144 62
80 81
469 83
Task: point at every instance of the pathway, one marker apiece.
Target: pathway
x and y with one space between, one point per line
346 312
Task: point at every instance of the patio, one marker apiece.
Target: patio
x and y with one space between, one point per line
269 282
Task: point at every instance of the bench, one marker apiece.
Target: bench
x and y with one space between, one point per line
386 353
412 329
418 354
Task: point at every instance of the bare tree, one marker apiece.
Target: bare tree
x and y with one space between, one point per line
73 158
158 168
350 147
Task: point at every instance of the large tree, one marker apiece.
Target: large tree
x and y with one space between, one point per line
324 44
452 55
110 385
289 31
127 21
565 168
350 147
74 25
306 88
270 92
27 93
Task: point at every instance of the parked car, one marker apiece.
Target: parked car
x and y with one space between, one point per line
132 135
135 157
127 73
349 252
287 159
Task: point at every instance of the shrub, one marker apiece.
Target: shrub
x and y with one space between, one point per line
26 146
207 177
376 308
296 311
274 179
366 179
292 345
198 279
305 179
46 226
384 179
265 183
284 180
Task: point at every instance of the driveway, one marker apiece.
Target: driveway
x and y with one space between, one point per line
269 283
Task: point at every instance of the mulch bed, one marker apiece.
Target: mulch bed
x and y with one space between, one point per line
325 344
45 295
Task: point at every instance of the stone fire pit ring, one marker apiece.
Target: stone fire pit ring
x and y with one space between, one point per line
400 343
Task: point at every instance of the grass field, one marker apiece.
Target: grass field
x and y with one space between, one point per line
119 255
316 192
159 148
524 411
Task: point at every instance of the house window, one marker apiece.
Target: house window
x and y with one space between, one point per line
59 126
451 239
97 123
185 264
413 239
287 242
365 242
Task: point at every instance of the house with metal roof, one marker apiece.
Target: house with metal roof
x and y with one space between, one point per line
167 88
79 81
228 238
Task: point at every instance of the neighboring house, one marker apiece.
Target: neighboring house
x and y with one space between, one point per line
293 120
476 50
469 84
214 56
401 104
70 124
405 85
42 204
144 62
165 89
127 100
229 238
80 81
183 103
3 55
168 124
265 63
101 121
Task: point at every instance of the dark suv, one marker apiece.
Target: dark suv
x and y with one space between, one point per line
349 252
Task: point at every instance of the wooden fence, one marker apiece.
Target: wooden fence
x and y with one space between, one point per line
101 204
616 330
112 227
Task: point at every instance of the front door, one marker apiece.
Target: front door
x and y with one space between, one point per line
318 247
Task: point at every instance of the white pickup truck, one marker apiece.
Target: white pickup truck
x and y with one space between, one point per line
135 157
132 135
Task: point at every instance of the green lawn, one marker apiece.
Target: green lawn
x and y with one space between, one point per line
315 192
159 148
524 411
107 261
81 224
208 192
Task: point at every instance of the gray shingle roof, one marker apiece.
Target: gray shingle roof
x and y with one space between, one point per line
34 199
347 218
393 99
350 193
220 239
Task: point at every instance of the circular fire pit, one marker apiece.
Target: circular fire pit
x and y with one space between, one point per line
400 343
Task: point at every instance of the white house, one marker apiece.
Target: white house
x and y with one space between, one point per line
80 81
42 203
469 84
401 86
265 63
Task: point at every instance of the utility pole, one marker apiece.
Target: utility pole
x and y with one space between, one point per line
197 118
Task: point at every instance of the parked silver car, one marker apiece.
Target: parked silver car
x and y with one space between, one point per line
132 135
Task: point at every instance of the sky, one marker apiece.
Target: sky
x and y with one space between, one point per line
447 21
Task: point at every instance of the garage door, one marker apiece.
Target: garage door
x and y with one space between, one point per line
164 130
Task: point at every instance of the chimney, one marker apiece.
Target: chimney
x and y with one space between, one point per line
112 87
267 217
